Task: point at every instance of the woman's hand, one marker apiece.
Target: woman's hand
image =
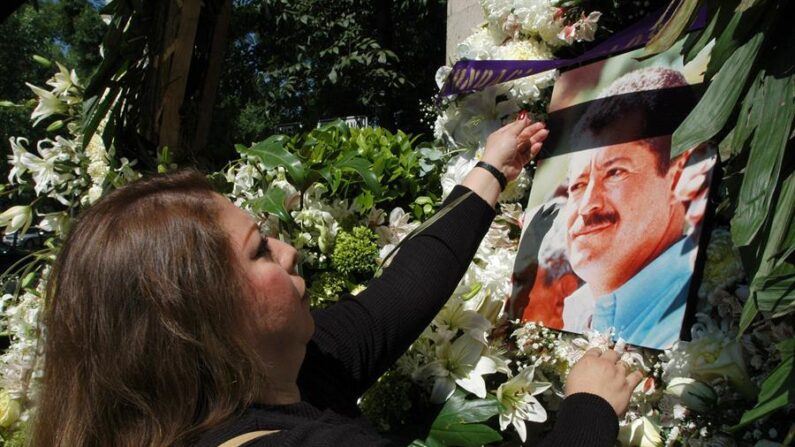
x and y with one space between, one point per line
512 146
508 149
602 374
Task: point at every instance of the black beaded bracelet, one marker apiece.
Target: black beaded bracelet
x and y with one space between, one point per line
495 172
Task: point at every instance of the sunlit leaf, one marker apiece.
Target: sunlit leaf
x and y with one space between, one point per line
745 4
765 158
272 154
457 425
697 40
97 110
711 113
670 31
272 203
734 33
364 169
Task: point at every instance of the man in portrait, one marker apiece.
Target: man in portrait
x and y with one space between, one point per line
632 213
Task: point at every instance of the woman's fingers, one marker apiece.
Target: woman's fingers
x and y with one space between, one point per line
594 352
633 379
516 127
611 355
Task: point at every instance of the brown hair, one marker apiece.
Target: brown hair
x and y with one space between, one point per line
144 342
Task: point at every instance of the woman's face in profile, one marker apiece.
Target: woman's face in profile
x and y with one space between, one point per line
278 302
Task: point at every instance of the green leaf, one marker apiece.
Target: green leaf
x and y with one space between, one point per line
750 311
272 154
465 435
711 113
459 410
364 169
735 33
778 389
748 118
697 40
96 111
745 4
272 203
457 425
775 289
670 31
764 160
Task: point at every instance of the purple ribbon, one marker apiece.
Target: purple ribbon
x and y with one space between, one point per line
470 76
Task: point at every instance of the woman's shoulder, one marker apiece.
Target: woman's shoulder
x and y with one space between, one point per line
296 425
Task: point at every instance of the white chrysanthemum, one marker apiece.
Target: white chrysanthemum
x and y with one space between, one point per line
457 168
441 75
95 149
723 266
479 46
94 193
98 170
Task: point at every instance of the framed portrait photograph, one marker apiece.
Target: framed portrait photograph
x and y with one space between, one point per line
612 227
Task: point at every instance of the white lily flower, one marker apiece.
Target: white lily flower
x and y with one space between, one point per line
642 432
519 403
458 363
56 222
63 81
16 218
48 105
18 151
43 171
454 316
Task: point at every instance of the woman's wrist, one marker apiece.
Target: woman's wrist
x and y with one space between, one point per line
484 184
493 170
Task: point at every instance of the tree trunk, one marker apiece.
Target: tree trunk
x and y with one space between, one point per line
212 79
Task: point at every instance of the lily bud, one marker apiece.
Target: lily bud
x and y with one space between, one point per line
16 218
695 395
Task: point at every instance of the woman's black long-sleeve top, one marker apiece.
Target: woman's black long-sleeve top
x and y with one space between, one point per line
359 338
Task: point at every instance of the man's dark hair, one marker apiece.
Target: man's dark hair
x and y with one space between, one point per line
660 97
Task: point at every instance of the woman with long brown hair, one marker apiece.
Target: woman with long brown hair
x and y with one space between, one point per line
172 321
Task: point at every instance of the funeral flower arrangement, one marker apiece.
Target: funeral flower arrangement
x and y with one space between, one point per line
346 198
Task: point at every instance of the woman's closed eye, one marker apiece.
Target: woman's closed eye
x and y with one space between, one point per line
262 250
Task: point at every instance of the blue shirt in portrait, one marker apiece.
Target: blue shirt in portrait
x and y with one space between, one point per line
647 310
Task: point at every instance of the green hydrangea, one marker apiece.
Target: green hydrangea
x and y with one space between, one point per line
355 253
326 288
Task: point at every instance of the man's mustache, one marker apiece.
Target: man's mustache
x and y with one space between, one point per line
585 222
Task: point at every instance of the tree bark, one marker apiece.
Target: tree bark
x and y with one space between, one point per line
212 78
179 55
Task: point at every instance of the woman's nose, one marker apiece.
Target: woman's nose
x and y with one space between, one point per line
286 255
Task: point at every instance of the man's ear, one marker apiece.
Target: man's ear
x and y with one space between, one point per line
678 164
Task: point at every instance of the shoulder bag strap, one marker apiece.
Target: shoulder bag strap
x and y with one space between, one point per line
238 441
